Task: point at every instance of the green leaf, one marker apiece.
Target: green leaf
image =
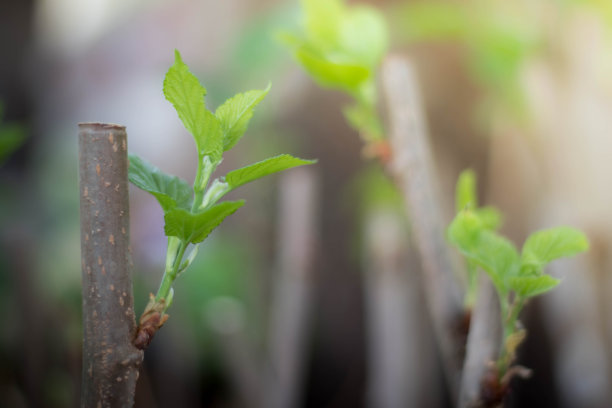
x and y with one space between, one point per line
464 231
490 217
364 119
466 197
235 113
260 169
170 191
497 255
184 91
339 74
545 246
322 20
195 228
529 286
493 253
363 35
465 192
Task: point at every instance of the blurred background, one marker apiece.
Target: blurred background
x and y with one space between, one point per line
288 304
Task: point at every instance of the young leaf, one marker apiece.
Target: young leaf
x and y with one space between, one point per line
184 91
364 118
496 255
545 246
235 113
464 231
490 217
363 35
529 286
195 228
332 74
465 192
170 191
238 177
322 20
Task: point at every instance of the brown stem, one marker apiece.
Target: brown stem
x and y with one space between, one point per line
482 347
412 168
110 361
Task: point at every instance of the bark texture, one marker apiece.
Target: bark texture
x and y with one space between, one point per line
110 361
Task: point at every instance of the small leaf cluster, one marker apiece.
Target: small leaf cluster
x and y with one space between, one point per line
489 219
192 212
340 47
517 277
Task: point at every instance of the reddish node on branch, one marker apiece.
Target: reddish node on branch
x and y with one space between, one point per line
380 150
152 319
494 388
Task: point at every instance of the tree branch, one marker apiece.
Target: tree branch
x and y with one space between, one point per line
110 361
412 168
292 297
483 344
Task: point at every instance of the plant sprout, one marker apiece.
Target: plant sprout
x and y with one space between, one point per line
517 277
466 198
340 47
192 212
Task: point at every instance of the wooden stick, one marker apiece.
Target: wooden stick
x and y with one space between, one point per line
412 168
110 361
293 288
483 343
400 353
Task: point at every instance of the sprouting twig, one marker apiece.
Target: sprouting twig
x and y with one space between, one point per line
483 344
110 361
411 167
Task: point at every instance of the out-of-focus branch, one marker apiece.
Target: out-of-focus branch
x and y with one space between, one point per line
412 168
400 352
110 361
483 344
291 301
573 320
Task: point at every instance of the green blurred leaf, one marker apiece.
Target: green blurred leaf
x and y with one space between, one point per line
423 21
529 286
493 253
235 113
170 191
490 217
465 192
340 48
238 177
464 231
363 35
364 118
545 246
184 91
498 257
195 228
332 74
322 20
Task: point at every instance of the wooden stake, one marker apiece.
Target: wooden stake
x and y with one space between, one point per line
110 361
